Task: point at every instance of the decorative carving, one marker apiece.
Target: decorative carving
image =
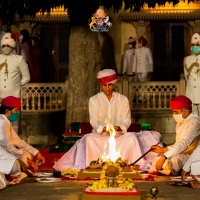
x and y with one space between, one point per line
182 10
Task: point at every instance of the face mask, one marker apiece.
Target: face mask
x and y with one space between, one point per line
195 49
140 45
178 118
7 50
130 46
14 117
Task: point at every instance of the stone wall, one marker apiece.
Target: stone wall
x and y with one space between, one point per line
43 129
162 121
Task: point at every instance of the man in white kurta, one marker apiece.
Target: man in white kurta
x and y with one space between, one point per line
187 136
14 71
12 147
143 62
192 74
111 106
128 58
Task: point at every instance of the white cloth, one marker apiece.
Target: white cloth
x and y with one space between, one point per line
7 161
2 33
7 40
91 146
185 134
193 163
9 140
128 61
193 81
141 77
18 74
3 181
117 111
143 61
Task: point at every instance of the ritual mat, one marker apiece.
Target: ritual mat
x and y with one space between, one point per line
110 197
68 178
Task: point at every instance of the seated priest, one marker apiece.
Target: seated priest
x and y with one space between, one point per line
113 107
15 154
187 137
192 166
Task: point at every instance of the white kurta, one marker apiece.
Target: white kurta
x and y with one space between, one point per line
9 140
143 62
91 146
193 81
185 135
128 61
18 75
193 163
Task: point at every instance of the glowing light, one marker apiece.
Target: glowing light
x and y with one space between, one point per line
113 154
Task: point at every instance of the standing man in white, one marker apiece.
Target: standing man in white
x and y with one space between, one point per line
128 59
143 62
14 71
192 74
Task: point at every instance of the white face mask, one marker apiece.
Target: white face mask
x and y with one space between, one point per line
7 50
140 45
178 118
130 46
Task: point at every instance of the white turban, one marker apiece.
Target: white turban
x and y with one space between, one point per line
7 40
107 76
195 38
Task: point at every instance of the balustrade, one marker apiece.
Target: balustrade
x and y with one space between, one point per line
43 97
50 97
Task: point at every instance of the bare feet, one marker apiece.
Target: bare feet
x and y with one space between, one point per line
195 184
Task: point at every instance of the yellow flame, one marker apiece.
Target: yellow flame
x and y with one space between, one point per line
113 154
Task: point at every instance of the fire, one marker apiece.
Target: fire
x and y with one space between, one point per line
113 154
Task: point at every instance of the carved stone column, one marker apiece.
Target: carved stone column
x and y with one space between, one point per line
141 27
195 26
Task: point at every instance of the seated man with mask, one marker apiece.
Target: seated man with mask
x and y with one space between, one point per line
187 138
15 154
113 107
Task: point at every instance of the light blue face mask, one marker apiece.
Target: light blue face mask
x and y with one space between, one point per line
14 117
195 49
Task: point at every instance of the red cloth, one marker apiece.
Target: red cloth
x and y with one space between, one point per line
180 102
50 159
143 41
11 101
107 79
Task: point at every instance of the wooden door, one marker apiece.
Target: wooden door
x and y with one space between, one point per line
56 39
169 47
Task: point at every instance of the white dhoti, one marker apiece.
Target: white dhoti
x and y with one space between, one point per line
91 147
195 170
176 163
3 181
7 161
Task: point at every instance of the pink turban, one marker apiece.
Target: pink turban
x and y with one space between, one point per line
107 76
8 40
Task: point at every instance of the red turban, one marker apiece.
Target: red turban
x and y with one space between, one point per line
180 102
142 40
107 76
11 101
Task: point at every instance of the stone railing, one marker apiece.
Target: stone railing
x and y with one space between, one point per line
50 97
43 97
151 95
